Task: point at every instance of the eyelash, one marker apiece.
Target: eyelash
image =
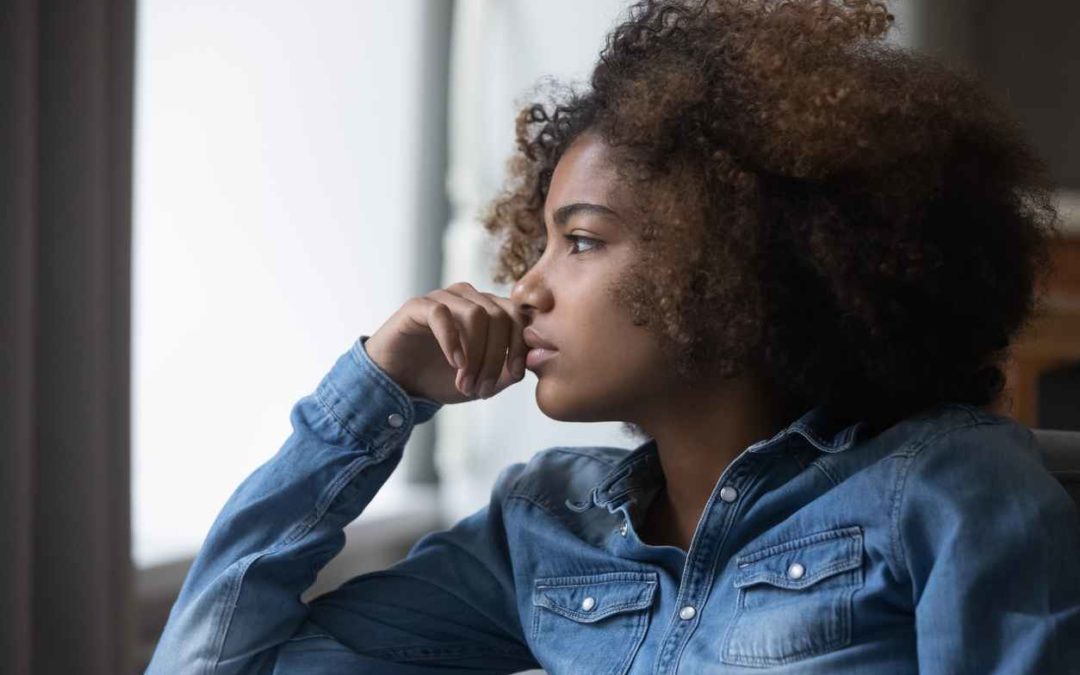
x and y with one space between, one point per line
572 238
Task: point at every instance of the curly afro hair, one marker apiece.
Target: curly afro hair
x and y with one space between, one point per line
866 227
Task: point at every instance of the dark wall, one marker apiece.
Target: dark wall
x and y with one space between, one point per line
1030 53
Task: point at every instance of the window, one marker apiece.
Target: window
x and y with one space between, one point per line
279 205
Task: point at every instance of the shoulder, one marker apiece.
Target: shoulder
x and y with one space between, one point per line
985 475
553 475
975 450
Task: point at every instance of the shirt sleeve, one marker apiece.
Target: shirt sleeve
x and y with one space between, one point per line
240 602
450 605
991 540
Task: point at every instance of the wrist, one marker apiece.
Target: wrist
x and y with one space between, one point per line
383 360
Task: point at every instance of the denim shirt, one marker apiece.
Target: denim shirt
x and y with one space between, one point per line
939 545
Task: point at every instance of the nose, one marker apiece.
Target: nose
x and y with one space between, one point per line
531 293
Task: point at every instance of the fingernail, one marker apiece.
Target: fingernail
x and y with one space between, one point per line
486 388
467 384
459 359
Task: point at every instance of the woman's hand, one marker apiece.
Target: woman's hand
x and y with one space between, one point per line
452 345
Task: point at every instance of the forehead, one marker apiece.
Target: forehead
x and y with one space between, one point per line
586 172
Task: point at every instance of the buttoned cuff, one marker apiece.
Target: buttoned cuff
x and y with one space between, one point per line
368 403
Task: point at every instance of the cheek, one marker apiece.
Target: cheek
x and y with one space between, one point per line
605 361
607 349
599 381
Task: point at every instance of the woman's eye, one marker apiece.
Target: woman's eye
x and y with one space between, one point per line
574 239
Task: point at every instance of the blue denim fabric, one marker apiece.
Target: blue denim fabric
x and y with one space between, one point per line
939 545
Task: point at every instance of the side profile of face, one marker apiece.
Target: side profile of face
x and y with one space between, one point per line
604 367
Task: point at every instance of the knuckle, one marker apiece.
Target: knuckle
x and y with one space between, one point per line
439 308
476 315
440 312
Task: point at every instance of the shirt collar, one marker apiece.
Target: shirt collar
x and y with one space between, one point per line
641 467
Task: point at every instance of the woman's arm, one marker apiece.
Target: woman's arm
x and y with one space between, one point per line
449 605
992 543
239 610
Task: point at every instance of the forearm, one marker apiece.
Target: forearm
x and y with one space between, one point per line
241 597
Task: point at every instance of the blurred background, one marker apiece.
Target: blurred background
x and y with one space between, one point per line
203 204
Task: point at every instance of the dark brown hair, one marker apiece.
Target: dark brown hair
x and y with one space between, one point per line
866 226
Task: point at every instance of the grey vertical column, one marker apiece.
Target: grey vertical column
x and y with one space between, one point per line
434 212
18 265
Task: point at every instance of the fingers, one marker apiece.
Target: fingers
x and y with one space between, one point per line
516 349
499 329
491 338
472 336
440 320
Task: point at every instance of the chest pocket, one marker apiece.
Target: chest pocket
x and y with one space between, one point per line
591 623
795 599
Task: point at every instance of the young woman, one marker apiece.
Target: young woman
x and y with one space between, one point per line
788 256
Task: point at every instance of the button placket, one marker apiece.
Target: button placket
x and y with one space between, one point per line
742 470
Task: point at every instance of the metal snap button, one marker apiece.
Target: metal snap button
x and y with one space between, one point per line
588 603
796 571
687 613
623 528
729 494
395 420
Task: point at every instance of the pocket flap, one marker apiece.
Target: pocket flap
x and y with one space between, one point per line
804 561
592 597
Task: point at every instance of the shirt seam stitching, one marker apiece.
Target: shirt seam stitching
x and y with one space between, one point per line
817 465
365 371
512 488
529 498
451 651
711 573
900 485
579 453
295 533
369 369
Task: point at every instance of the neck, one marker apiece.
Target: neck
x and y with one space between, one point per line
698 433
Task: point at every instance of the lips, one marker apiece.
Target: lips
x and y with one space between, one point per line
536 341
537 356
540 350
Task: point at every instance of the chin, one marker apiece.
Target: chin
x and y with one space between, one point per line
558 404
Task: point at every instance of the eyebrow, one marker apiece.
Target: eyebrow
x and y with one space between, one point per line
563 213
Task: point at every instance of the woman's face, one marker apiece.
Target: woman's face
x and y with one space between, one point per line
604 368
